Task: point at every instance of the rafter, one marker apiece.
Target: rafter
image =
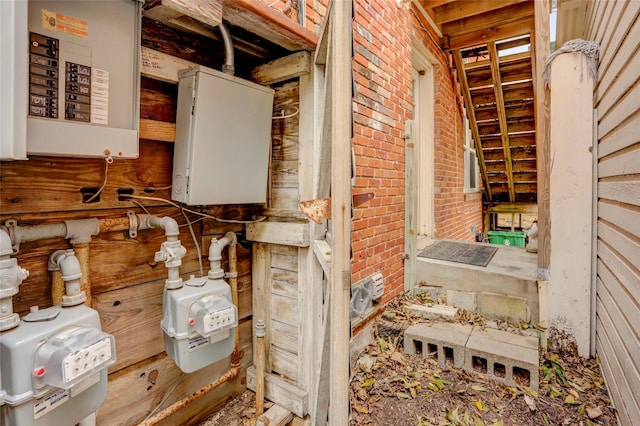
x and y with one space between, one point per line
513 29
493 19
462 77
502 115
464 9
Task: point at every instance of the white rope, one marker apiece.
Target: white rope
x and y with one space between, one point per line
591 49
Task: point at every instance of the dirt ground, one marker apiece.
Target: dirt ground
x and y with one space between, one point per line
390 388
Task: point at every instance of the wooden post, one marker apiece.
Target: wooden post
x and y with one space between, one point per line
411 220
260 332
340 71
543 117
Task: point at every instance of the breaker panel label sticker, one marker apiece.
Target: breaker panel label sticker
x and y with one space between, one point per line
53 21
100 96
51 402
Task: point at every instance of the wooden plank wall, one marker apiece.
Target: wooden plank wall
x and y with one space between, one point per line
280 295
616 26
127 284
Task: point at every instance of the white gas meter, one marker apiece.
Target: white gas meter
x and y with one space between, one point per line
54 367
199 323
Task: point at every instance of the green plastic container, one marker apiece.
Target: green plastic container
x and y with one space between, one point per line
506 238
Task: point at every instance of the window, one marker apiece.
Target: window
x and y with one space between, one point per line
470 160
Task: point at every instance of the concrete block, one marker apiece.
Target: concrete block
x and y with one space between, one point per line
462 300
432 292
444 340
433 311
502 356
506 308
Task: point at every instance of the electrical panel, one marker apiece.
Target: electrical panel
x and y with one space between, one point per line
81 84
199 323
54 367
223 139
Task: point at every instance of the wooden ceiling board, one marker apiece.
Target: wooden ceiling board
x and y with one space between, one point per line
514 29
491 19
453 11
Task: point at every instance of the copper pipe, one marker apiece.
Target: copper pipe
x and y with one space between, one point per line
229 375
233 283
236 356
82 253
57 287
114 224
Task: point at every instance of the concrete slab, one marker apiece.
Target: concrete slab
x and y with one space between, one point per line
502 356
511 272
506 308
444 340
463 300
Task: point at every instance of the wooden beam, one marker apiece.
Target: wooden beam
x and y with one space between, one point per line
340 65
322 49
489 19
430 4
157 130
286 233
424 13
464 86
279 389
160 66
514 208
310 293
282 69
543 116
463 9
502 115
206 11
261 285
270 24
275 416
475 38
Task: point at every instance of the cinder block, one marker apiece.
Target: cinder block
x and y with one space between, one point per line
499 354
507 308
462 300
444 340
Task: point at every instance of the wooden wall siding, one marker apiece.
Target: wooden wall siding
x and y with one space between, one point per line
282 311
127 283
285 149
615 25
285 312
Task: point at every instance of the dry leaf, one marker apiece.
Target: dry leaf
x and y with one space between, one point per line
361 409
594 413
398 357
368 383
530 402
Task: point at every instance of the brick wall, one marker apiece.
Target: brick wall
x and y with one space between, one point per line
382 103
